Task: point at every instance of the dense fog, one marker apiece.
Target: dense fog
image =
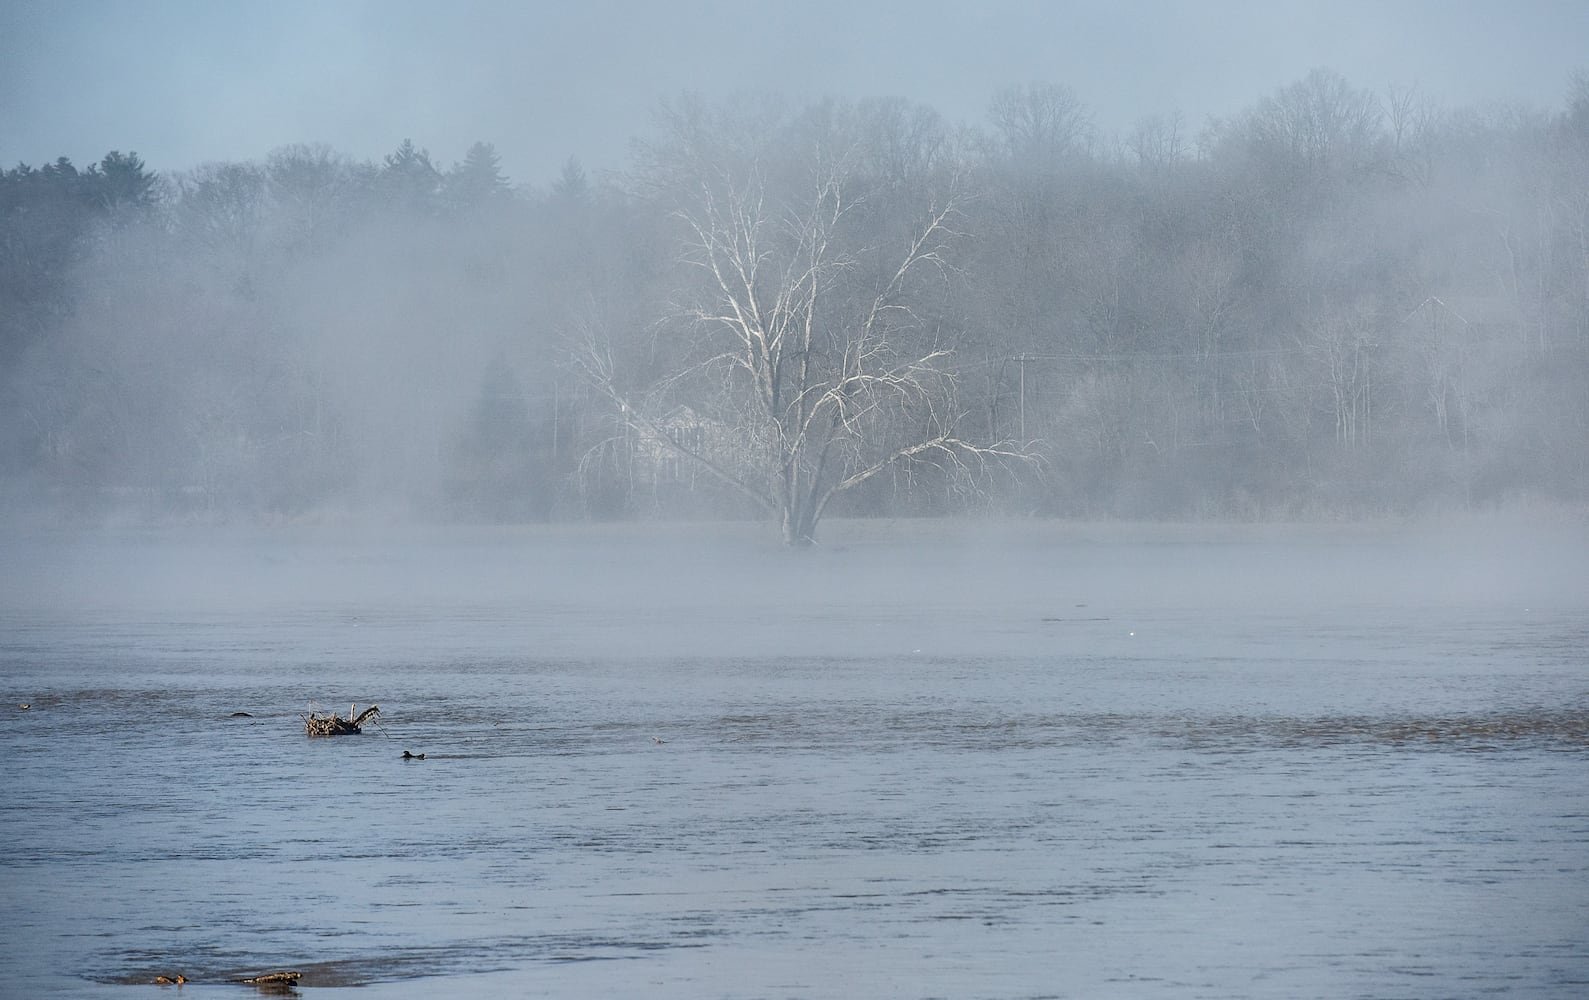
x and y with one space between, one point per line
1337 303
1201 598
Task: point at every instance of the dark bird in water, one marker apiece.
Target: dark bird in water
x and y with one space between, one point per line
413 756
178 980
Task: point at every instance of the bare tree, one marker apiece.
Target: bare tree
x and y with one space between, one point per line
1318 127
1040 122
314 190
1339 344
221 209
1413 120
823 352
1158 142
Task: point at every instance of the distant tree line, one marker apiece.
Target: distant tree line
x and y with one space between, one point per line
1336 303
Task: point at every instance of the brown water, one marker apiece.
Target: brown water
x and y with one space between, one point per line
1009 763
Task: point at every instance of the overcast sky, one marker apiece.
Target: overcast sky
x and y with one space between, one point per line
182 82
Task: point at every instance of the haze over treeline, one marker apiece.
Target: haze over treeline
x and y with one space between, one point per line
1336 303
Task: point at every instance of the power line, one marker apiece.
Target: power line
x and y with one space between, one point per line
1027 357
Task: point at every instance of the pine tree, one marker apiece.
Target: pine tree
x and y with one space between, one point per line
122 186
477 184
409 179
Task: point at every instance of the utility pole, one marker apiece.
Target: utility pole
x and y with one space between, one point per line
1023 359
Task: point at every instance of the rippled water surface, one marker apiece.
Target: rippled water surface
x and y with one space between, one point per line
916 762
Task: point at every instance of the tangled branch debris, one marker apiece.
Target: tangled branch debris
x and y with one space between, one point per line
315 724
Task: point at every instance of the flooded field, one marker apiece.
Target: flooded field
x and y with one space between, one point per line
919 761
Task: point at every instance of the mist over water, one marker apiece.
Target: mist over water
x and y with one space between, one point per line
1000 760
934 530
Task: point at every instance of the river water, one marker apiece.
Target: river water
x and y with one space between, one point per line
918 761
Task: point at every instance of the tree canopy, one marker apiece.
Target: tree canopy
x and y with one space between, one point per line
1336 303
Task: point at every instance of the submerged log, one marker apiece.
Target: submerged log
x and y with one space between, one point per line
316 724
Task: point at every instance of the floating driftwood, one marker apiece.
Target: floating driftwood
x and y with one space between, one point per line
275 978
276 983
316 724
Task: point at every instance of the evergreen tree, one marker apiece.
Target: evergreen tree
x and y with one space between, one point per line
477 184
497 473
571 184
409 180
122 186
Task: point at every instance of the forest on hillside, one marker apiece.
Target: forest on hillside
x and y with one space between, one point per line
1338 303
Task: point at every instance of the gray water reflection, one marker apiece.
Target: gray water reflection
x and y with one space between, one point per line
969 788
